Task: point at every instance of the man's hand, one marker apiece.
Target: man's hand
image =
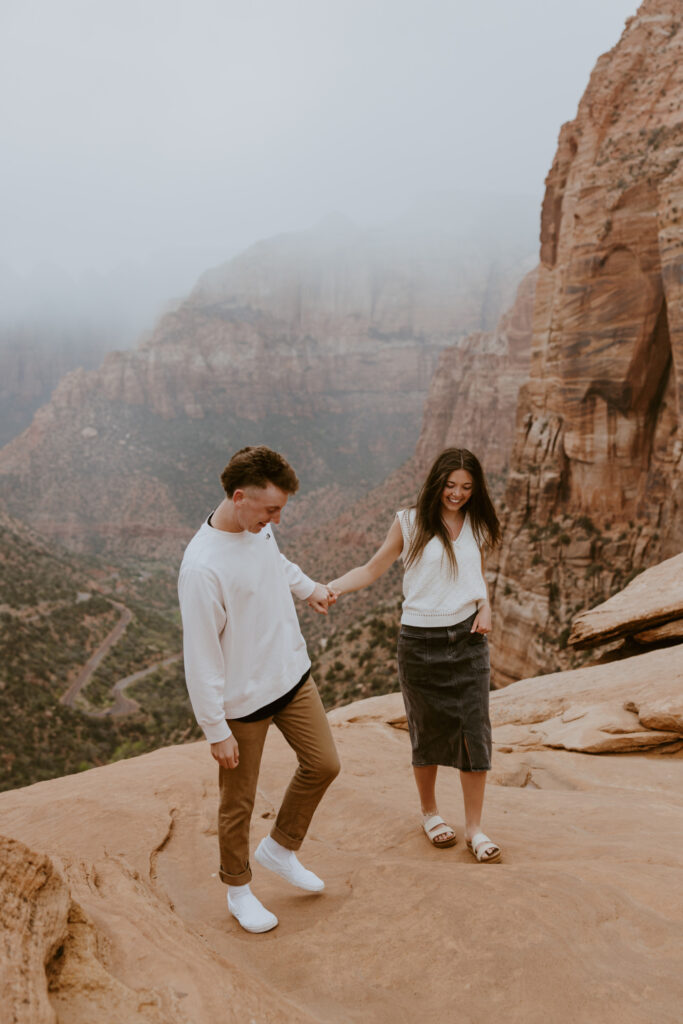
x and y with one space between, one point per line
226 752
321 598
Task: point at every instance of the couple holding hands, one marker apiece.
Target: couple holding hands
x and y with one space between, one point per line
246 663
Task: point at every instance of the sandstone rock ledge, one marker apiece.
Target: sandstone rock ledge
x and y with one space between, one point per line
112 911
650 609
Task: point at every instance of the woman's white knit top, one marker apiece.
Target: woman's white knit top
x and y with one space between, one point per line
433 595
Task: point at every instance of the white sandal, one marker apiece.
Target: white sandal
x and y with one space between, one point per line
435 826
480 844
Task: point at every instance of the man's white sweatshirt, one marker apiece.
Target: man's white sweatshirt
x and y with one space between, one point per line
242 643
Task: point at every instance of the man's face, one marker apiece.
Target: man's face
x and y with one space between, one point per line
255 507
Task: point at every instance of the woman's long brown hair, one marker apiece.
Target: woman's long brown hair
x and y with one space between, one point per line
428 520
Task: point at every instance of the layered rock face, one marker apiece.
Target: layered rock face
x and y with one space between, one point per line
594 491
31 365
35 909
321 344
52 323
474 391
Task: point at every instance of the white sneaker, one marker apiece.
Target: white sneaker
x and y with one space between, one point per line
287 865
250 912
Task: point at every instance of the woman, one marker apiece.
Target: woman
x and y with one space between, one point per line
443 658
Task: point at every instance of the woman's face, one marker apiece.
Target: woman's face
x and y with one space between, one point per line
458 490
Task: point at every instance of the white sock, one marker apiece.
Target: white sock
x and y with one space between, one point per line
278 852
239 890
284 862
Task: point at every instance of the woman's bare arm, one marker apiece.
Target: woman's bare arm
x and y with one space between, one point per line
364 575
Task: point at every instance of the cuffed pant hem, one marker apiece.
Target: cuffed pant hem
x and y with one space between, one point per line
284 840
242 879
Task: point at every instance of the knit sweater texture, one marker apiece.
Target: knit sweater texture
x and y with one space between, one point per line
433 595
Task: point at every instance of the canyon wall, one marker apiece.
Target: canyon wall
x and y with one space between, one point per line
52 322
33 359
322 344
594 490
473 395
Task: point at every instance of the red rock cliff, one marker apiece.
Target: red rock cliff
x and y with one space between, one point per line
473 394
594 491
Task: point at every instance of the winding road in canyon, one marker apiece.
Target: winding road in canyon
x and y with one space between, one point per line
122 705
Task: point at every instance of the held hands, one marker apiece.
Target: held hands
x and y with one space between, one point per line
226 752
321 598
482 622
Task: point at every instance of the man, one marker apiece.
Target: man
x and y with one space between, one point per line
246 666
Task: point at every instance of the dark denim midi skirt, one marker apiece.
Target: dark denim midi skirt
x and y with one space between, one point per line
444 674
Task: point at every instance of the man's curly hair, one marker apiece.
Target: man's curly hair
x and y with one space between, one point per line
257 466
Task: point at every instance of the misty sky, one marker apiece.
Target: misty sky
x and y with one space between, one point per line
180 131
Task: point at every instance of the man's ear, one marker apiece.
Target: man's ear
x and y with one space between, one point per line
238 496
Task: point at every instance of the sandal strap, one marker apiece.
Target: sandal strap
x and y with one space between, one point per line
435 826
480 839
432 820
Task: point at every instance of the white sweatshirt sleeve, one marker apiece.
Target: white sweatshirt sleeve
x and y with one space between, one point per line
300 584
204 618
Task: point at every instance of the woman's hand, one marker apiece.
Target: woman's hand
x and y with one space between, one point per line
482 622
321 598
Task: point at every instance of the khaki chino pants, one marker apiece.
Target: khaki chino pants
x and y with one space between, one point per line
304 725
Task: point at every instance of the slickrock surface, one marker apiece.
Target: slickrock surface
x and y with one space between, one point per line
34 911
635 704
580 922
651 606
597 456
